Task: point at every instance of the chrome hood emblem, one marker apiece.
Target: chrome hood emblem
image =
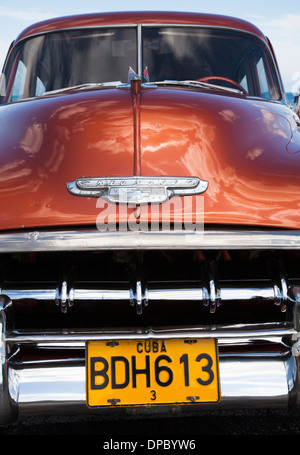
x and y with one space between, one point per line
137 190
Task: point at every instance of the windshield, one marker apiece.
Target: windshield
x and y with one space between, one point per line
59 60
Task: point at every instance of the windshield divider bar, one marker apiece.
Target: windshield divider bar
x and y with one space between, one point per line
139 51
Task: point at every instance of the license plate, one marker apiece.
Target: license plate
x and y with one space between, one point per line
150 372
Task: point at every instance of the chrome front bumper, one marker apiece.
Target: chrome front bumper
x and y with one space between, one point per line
258 364
258 368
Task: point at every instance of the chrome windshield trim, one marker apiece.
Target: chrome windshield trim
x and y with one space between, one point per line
141 25
87 240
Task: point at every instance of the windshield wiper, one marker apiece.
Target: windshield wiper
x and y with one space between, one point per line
191 83
83 86
119 84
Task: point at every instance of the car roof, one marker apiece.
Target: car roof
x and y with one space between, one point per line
138 17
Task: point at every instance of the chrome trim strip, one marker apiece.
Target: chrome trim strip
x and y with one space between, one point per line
88 240
225 334
8 396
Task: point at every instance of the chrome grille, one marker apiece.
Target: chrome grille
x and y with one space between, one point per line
56 299
153 283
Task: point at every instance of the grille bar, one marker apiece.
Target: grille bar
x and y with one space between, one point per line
225 334
140 295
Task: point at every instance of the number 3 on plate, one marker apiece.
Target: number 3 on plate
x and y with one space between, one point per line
153 395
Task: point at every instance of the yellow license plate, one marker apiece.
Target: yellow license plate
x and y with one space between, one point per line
150 372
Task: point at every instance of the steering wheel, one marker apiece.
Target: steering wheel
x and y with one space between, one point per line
226 79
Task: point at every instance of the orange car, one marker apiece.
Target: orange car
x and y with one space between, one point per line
150 215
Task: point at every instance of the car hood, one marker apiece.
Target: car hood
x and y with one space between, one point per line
246 149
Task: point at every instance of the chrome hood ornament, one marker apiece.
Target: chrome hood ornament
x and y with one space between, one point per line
137 190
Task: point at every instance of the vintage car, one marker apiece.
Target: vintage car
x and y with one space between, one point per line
150 218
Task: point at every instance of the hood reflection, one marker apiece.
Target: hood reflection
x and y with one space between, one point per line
183 133
249 175
33 138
